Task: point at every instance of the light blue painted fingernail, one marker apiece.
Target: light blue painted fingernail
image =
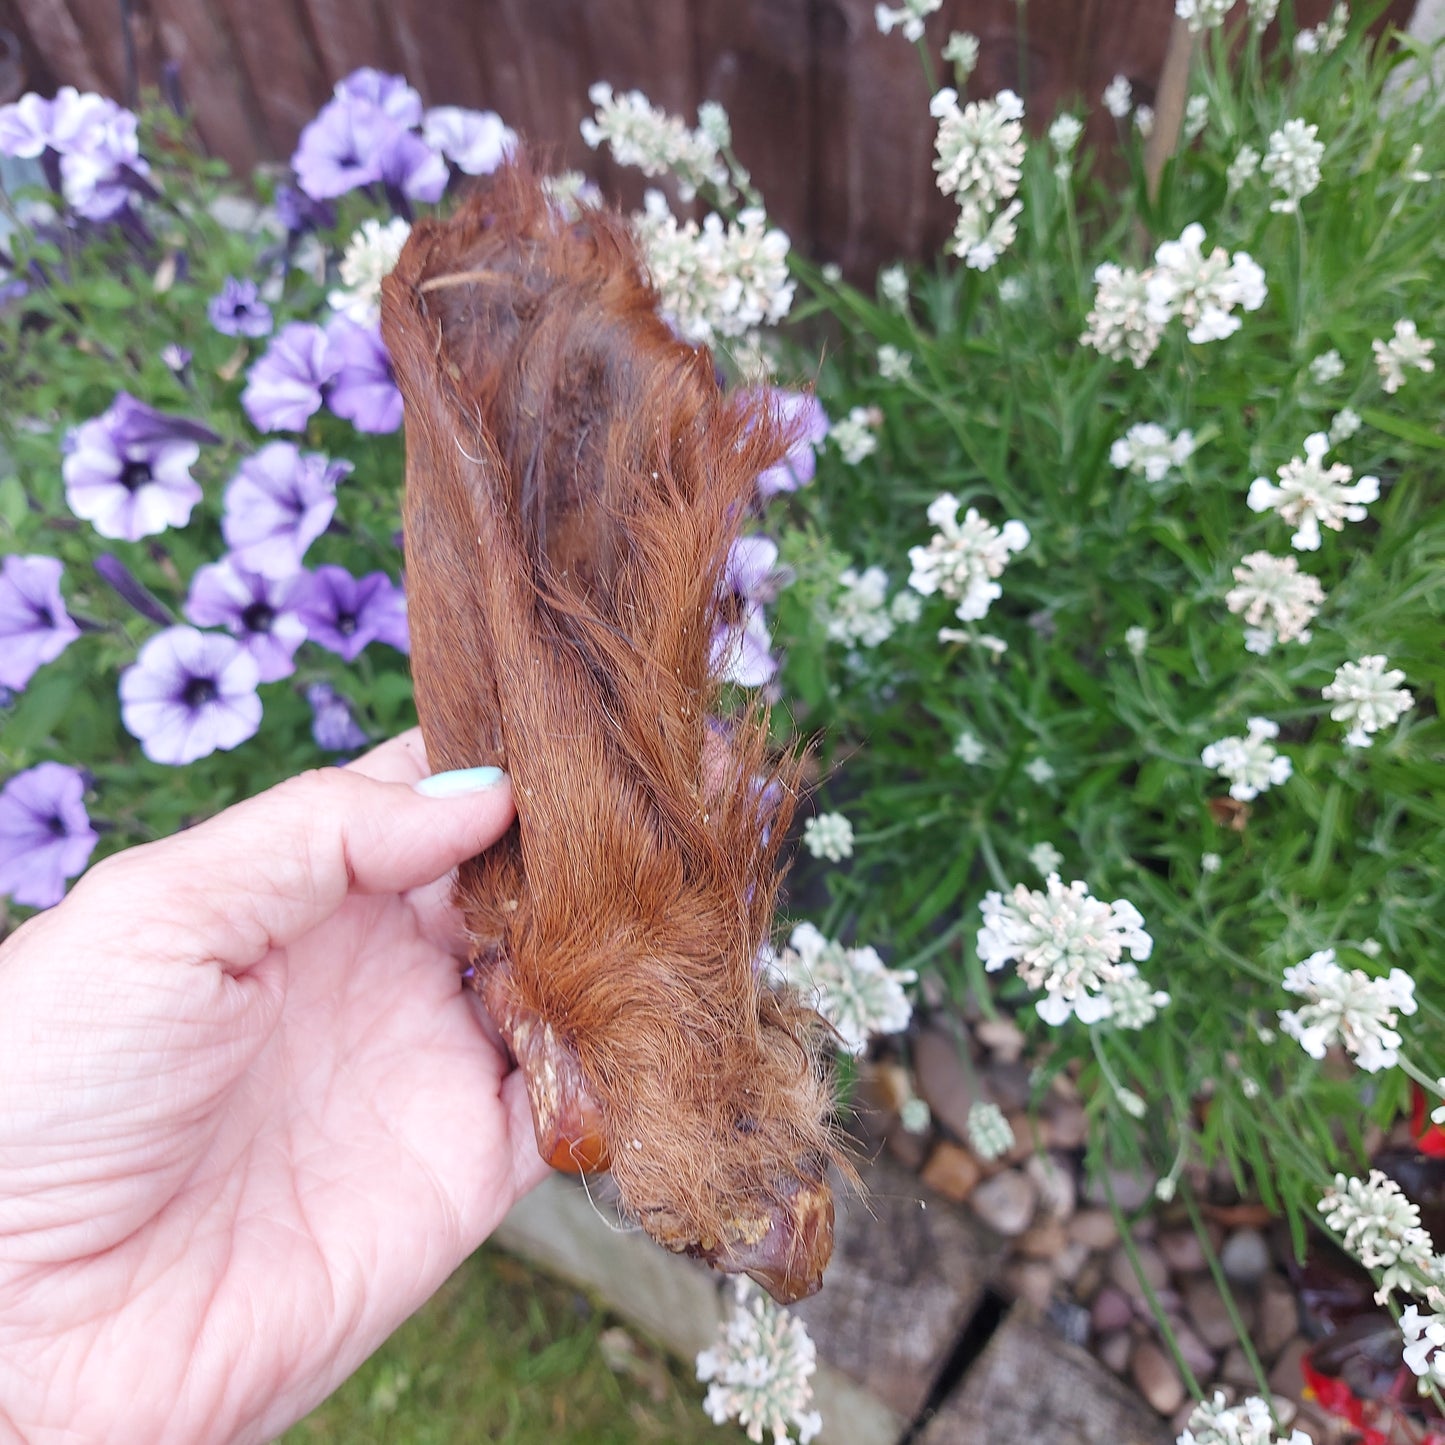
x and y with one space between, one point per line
460 781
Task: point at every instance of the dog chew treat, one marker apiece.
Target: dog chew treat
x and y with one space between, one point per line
574 479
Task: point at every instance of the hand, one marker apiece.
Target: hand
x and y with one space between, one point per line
249 1119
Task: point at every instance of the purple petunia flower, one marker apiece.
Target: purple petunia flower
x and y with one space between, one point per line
34 625
239 310
189 693
128 471
284 386
45 833
299 213
390 94
344 613
340 150
332 724
804 424
129 588
476 142
741 644
278 503
363 386
25 127
253 608
176 357
412 169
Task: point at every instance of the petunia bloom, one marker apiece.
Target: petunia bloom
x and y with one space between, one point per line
128 471
804 423
363 386
279 502
333 726
476 142
741 650
284 387
45 833
238 310
344 613
252 607
34 625
189 694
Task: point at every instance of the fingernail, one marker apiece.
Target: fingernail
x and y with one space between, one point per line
460 781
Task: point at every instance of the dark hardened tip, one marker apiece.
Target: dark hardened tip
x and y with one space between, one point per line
786 1251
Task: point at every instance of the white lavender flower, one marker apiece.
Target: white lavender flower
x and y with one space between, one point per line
760 1369
850 987
1293 163
717 279
1248 1423
1325 37
893 364
990 1135
1262 13
1040 770
1119 97
1405 348
1343 425
1136 639
855 435
1327 367
1062 941
908 18
1242 168
1274 596
968 749
1196 116
980 150
906 607
1147 450
961 51
1045 858
370 255
893 286
962 558
1144 120
1203 291
1348 1007
641 135
569 191
1210 862
1119 325
1132 1004
1377 1224
1064 133
1368 696
1310 495
859 615
830 836
1251 763
1203 14
1424 1337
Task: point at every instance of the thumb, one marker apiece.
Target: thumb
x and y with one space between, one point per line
265 872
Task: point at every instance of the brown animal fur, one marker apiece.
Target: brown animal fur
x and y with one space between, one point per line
574 480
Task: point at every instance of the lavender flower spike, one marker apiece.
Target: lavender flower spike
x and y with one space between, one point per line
284 388
239 311
279 502
344 613
251 607
804 423
34 625
363 389
188 694
45 833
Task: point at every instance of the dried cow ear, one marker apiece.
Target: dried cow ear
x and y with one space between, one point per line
575 478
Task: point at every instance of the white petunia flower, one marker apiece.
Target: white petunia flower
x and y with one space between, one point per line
1062 941
1244 166
962 558
968 749
370 255
850 987
908 18
859 615
1310 495
1405 348
893 284
1203 291
1365 694
893 364
1203 14
1381 1228
1251 1422
1424 1336
1250 763
855 435
1119 97
990 1135
1273 595
829 836
1348 1007
641 135
1149 451
1293 163
760 1369
1045 858
1343 425
961 52
1326 367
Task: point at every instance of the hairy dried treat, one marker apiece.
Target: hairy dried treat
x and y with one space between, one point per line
574 479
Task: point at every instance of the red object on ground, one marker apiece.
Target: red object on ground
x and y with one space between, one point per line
1429 1138
1334 1396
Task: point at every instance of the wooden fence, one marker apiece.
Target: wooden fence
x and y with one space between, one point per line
829 115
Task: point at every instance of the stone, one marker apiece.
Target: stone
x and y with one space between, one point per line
1157 1377
1026 1136
1010 1086
1278 1316
1044 1240
949 1089
951 1170
1182 1251
1003 1038
1006 1202
1236 1371
1094 1229
1245 1257
1209 1315
1151 1266
1071 1261
1066 1126
910 1150
1286 1377
1031 1280
1196 1354
1133 1188
1112 1310
1053 1175
1115 1350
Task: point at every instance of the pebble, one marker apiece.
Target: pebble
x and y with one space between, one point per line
1197 1355
1157 1377
1278 1316
1006 1202
1031 1280
1054 1178
1210 1316
1286 1378
1115 1350
1025 1141
1236 1371
1245 1257
1112 1310
1151 1267
1094 1228
1182 1251
1071 1261
1043 1240
1003 1038
1066 1126
1132 1188
942 1080
951 1170
1011 1085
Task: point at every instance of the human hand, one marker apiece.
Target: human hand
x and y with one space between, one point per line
249 1120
